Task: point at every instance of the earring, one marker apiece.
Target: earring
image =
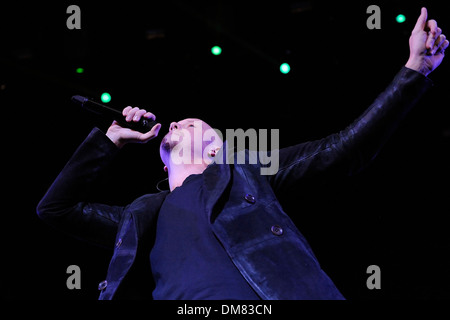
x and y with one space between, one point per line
165 169
212 153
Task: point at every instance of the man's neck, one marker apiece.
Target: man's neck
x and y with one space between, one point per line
179 173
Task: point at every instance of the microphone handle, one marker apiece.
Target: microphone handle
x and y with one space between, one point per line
143 125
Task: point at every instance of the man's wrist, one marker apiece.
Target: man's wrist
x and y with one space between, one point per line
115 139
417 65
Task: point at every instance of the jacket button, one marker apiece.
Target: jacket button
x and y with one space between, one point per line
249 198
276 230
119 242
102 285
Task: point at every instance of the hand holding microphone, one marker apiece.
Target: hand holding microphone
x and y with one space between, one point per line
133 125
121 136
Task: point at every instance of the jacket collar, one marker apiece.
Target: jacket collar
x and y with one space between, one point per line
216 179
145 215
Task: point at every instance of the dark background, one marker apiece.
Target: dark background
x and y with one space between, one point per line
392 215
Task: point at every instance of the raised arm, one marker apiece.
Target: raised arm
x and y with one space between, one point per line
360 142
66 204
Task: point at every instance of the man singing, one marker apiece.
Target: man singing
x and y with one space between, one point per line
220 232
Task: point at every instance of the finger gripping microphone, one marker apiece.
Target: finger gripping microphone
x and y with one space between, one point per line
143 125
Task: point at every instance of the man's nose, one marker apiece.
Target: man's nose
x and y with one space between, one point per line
173 126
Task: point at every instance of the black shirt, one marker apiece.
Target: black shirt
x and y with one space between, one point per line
188 262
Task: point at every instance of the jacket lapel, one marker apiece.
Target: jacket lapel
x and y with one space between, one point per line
146 212
215 180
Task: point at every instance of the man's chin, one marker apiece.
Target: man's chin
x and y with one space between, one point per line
168 142
165 145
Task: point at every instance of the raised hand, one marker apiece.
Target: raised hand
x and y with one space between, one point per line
121 136
427 45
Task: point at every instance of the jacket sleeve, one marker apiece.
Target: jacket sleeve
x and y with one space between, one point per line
65 204
355 146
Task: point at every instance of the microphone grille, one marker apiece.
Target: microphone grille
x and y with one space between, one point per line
79 99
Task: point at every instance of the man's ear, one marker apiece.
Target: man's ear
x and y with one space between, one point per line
212 153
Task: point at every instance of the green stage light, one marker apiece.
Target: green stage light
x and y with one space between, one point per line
400 18
106 97
79 70
216 50
285 68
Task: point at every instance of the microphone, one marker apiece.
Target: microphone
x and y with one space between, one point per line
144 125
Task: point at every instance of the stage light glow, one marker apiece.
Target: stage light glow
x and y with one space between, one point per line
79 70
285 68
216 50
106 97
400 18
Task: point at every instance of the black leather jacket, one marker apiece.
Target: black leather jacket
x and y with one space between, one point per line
260 238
